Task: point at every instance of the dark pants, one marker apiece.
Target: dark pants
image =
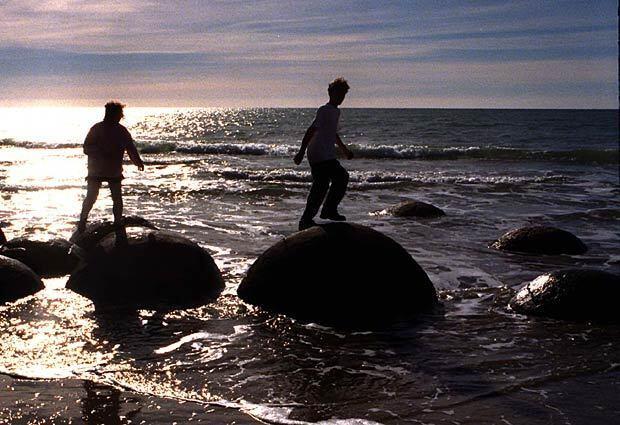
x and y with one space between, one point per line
323 173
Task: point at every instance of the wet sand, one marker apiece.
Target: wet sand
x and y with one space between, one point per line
27 401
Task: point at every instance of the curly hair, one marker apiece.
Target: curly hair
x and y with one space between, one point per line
112 110
339 85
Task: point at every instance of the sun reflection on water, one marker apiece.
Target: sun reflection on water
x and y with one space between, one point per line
50 335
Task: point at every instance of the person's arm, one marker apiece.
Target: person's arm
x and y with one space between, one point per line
304 145
90 143
134 156
342 146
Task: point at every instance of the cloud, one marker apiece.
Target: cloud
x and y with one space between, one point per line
299 44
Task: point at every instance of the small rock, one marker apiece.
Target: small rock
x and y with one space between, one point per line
97 230
17 280
571 294
51 258
416 209
540 240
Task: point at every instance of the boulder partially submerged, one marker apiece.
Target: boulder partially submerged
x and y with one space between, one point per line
540 240
154 269
17 280
50 258
416 209
571 294
339 274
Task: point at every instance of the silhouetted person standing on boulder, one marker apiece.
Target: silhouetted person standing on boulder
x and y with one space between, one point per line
105 146
320 140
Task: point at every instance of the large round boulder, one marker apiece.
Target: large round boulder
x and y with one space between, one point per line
51 258
571 294
416 209
153 269
540 240
339 274
98 230
17 280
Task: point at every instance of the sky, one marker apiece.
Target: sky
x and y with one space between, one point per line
283 53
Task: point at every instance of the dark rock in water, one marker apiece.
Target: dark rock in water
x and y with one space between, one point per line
540 240
17 280
571 294
156 269
339 274
2 238
50 258
416 209
97 230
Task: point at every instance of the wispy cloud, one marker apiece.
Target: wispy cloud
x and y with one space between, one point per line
269 51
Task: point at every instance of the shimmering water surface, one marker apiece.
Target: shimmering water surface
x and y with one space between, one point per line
225 178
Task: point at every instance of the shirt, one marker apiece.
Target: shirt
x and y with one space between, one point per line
105 146
322 145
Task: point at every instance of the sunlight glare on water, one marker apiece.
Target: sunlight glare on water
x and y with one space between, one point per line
50 335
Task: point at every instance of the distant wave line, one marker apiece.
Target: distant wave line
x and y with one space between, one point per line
400 151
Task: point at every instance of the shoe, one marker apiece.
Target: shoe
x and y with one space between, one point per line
334 216
306 224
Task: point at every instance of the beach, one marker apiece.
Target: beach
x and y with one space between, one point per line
225 178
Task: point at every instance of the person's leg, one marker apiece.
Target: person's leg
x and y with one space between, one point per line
92 191
117 209
117 201
339 178
320 184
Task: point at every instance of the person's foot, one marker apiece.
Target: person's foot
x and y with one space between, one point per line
333 216
121 235
306 224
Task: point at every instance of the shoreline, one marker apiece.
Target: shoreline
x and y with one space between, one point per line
66 400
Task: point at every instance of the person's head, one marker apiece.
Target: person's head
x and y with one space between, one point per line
337 90
113 111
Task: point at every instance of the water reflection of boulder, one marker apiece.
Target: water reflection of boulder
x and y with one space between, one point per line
50 258
571 294
540 240
17 280
416 209
153 269
340 274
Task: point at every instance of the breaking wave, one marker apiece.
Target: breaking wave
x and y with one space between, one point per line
400 151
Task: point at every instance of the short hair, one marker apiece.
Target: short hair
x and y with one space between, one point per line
339 85
112 109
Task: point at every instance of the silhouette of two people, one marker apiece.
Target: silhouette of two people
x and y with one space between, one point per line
107 141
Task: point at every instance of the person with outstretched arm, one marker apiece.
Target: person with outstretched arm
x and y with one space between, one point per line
105 145
328 176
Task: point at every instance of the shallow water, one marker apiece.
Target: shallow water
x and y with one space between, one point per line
225 178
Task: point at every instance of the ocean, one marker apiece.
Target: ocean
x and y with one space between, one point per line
226 179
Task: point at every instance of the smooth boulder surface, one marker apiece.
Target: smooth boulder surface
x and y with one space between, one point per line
540 240
155 269
339 274
98 230
51 258
416 209
571 294
17 280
